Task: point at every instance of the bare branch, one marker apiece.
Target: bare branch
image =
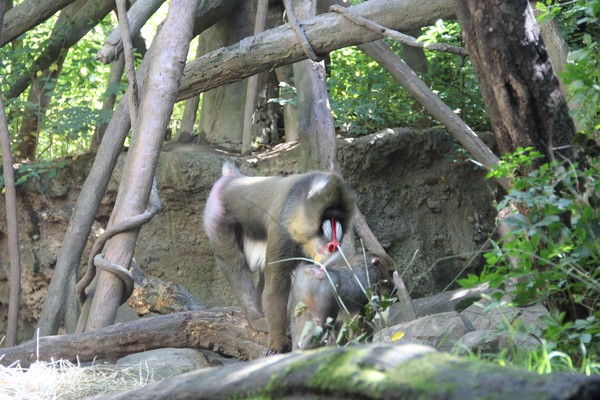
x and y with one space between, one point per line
400 37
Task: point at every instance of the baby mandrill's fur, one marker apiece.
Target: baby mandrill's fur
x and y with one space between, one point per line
332 292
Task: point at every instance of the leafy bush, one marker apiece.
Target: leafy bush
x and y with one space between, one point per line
452 77
551 253
365 98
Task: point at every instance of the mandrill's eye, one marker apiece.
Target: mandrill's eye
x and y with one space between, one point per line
332 229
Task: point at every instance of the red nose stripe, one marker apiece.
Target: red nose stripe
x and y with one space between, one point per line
334 244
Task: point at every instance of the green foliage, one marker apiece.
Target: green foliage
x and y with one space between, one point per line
75 106
41 169
452 77
552 251
582 73
365 98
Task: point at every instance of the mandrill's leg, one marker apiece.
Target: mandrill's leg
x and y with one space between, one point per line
275 303
232 262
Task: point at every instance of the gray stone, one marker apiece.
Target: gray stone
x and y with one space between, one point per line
166 362
493 342
493 319
440 331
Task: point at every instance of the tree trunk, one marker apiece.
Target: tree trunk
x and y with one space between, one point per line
558 51
186 133
377 371
166 67
516 78
291 122
419 90
12 223
260 23
38 99
316 127
222 111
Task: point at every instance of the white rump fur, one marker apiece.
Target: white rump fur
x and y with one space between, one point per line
318 184
229 169
255 252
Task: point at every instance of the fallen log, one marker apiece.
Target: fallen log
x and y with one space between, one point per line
222 330
373 371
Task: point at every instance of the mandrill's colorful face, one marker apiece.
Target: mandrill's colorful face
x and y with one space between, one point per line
318 245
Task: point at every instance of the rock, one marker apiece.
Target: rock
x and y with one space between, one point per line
440 331
493 319
491 334
166 362
217 360
493 342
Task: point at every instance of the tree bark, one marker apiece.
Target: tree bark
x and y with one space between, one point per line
27 15
516 78
12 223
252 88
326 32
377 371
137 16
316 127
38 99
224 331
166 67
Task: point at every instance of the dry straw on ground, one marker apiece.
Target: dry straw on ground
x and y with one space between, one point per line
64 380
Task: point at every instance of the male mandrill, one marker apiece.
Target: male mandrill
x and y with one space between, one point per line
261 223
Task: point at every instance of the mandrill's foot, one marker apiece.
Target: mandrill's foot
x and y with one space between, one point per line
279 346
260 324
